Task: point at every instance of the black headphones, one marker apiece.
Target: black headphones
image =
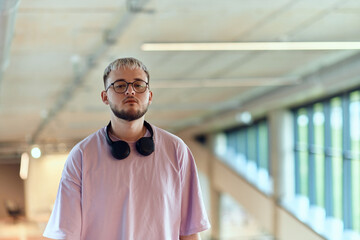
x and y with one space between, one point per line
121 149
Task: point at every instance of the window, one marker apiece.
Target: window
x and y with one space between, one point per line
246 150
318 155
355 158
336 124
301 156
327 158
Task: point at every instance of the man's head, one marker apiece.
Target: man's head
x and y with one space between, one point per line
121 63
126 89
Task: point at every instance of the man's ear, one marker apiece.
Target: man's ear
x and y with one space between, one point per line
150 97
104 97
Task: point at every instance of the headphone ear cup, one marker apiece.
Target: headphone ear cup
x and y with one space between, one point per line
120 149
145 146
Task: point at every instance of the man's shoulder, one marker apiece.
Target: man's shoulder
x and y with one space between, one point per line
169 140
89 141
164 135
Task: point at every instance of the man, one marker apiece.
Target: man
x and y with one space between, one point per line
129 180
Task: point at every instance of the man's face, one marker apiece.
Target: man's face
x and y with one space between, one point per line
129 105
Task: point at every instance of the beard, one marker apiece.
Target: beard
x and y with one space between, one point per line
128 115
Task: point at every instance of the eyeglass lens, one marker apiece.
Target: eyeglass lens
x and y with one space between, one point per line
138 86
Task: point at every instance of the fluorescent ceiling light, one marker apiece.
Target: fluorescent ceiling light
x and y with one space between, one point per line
250 46
24 166
220 83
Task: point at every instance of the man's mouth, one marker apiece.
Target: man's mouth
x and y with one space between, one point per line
130 100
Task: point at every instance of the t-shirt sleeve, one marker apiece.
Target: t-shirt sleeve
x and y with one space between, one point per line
194 218
65 219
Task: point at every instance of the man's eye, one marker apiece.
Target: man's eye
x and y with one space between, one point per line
120 86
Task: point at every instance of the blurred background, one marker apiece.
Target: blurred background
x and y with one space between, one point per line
265 93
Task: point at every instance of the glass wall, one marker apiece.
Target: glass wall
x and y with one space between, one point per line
246 150
327 164
354 115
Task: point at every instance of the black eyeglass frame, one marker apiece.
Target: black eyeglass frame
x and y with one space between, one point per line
127 85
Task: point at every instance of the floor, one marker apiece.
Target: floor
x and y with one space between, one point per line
235 225
20 229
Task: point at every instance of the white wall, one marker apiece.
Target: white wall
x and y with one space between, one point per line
42 184
11 187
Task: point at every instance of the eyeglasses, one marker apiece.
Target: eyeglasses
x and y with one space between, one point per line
121 86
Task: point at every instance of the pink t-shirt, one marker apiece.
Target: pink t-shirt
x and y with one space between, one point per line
155 197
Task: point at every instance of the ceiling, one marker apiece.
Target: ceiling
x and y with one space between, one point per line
50 91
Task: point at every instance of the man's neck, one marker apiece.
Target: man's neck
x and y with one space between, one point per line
128 130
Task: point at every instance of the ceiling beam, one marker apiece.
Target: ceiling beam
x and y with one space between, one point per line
221 82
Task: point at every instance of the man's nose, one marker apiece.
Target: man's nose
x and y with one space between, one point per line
130 90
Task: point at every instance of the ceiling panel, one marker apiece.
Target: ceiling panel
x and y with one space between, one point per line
51 90
274 63
292 17
18 127
345 21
